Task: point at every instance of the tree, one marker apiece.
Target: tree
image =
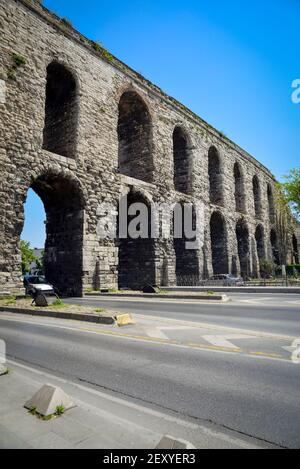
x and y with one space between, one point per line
284 224
267 267
291 190
27 256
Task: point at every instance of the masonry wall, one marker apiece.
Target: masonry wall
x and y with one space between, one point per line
93 167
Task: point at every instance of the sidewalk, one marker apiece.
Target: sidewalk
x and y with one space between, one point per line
100 420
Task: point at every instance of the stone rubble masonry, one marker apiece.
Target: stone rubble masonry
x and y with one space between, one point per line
114 133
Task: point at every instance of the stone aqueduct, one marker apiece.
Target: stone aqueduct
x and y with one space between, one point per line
80 128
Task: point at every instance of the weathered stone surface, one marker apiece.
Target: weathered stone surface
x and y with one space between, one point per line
81 128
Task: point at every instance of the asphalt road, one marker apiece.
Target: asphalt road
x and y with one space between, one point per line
277 314
252 396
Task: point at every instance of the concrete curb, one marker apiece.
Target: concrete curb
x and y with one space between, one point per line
223 298
108 320
236 289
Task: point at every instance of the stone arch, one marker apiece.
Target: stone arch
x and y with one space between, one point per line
218 236
260 242
243 242
136 255
64 204
295 249
275 246
181 158
239 188
187 260
61 111
215 177
135 137
257 196
271 205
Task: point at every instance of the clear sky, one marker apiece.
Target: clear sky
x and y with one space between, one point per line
231 62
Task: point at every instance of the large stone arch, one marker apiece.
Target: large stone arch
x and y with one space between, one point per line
182 160
260 242
61 111
271 205
243 242
239 188
275 246
136 258
218 235
295 249
135 137
187 268
215 177
257 196
64 202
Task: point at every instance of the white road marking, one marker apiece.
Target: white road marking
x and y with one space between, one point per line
223 340
157 331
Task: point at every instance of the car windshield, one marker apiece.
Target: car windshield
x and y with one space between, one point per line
37 280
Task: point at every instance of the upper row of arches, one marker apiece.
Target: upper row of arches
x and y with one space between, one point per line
135 141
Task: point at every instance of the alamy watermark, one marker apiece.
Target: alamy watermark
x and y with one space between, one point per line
296 93
152 221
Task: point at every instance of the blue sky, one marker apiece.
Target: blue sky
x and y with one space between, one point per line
231 62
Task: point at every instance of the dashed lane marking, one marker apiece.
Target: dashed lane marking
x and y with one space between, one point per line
161 341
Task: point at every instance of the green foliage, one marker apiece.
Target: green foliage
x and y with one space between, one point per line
267 267
292 269
291 190
67 22
59 304
18 60
60 410
99 310
27 256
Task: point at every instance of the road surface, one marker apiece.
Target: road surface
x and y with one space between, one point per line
252 396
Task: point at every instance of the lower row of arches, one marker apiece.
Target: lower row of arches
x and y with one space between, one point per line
142 261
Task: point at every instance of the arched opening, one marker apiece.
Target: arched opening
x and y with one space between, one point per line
61 111
215 177
295 250
137 247
242 236
271 203
260 242
218 237
64 208
257 196
135 138
239 191
187 260
181 161
275 247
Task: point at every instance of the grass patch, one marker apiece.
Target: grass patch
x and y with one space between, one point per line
210 293
58 304
10 300
60 410
99 310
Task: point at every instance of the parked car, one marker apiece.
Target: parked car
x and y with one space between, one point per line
35 284
228 280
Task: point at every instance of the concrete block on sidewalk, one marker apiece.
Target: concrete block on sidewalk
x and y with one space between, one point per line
169 442
47 399
124 320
